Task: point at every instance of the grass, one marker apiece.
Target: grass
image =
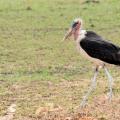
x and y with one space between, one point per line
32 54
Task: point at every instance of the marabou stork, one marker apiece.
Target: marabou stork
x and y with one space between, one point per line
95 49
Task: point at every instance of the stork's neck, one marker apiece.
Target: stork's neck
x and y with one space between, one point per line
79 34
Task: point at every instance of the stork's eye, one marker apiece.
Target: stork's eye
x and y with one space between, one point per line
74 24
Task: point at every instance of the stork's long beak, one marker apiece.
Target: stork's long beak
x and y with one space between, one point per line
68 34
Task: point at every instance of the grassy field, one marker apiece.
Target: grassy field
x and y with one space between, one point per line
36 67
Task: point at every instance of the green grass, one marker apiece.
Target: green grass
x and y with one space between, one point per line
31 49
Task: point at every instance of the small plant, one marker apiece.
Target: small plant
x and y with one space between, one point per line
28 2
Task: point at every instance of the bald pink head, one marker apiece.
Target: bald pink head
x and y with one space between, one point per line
74 30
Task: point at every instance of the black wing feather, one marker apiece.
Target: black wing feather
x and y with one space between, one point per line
98 48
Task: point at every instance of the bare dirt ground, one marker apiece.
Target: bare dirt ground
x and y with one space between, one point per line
100 109
44 100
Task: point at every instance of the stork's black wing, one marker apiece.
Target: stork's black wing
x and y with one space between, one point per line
98 48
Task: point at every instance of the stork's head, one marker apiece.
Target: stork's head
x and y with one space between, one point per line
74 29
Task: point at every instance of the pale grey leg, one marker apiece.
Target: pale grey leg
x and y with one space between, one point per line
93 85
110 79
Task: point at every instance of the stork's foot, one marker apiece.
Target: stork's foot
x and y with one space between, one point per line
110 94
84 102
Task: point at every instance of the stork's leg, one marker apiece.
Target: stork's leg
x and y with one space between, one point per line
110 79
93 85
